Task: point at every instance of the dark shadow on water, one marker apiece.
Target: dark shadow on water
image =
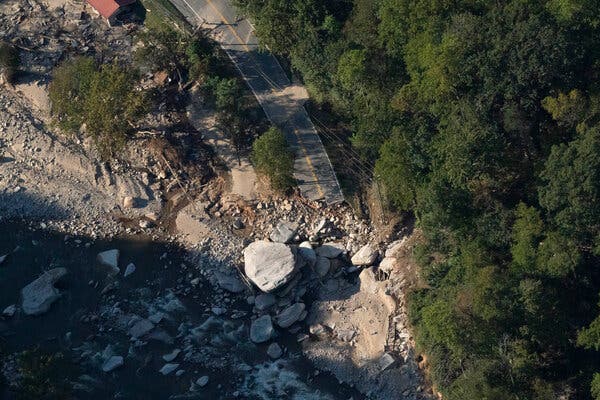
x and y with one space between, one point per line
78 319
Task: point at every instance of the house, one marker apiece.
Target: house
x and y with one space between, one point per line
110 9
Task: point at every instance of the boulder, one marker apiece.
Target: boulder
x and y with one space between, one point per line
39 295
395 247
128 202
274 351
331 250
172 355
386 361
264 301
269 265
168 368
112 363
291 314
230 283
130 269
387 264
284 232
322 266
202 381
307 253
9 311
141 328
365 256
261 329
110 258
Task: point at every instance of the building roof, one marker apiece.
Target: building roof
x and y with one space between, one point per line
107 8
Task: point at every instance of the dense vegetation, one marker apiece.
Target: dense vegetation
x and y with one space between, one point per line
272 157
104 98
483 120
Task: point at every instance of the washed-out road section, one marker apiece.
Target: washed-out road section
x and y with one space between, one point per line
282 101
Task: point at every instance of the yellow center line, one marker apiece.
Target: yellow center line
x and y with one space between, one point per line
242 41
312 169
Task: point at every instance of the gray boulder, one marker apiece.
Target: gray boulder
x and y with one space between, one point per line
365 256
261 329
129 270
110 258
39 295
202 381
307 253
172 355
264 301
141 328
284 232
112 363
274 351
322 266
230 283
291 314
9 311
331 250
269 265
168 368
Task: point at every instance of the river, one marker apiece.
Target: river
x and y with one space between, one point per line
87 326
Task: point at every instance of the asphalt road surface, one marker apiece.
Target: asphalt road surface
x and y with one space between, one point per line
281 101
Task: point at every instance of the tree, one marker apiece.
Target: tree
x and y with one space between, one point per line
272 157
69 89
572 186
103 98
395 171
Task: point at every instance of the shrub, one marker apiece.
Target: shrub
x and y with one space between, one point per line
272 157
104 98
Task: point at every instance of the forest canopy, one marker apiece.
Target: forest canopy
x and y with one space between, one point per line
482 119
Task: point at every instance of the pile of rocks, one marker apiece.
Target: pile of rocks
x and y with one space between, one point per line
285 268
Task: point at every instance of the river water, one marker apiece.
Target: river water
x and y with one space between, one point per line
87 326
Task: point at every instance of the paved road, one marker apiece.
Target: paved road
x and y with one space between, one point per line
281 101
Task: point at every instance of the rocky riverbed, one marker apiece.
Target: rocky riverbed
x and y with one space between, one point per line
156 279
161 332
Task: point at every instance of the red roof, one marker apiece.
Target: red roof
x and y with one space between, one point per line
107 8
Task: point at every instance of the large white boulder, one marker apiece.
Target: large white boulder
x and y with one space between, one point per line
365 256
39 295
269 265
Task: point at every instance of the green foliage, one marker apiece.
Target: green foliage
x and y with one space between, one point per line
68 91
103 98
484 119
162 47
43 376
272 157
572 184
9 60
395 171
589 337
351 69
596 386
527 234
